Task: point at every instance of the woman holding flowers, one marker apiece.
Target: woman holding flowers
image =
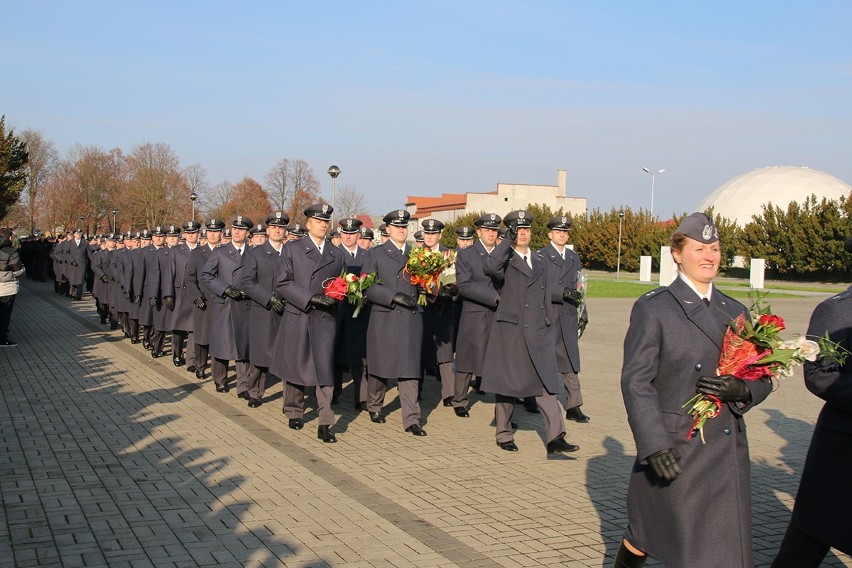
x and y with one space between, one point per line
688 503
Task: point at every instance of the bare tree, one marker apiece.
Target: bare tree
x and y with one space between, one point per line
100 178
157 188
292 187
42 164
220 195
349 201
195 177
279 185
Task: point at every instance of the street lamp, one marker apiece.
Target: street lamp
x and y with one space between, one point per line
192 197
82 217
333 171
653 175
618 264
114 211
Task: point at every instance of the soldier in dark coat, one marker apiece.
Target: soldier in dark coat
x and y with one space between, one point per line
258 282
134 262
395 335
202 298
479 295
520 359
352 337
564 272
229 331
821 514
304 350
365 238
180 321
688 503
158 285
78 260
140 278
439 323
120 303
100 289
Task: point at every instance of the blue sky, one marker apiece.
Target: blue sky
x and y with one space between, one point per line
419 98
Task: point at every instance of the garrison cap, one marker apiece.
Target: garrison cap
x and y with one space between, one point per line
518 218
560 222
242 222
366 233
432 226
172 231
488 221
465 232
257 229
277 219
191 227
699 227
418 236
350 225
158 231
397 218
215 225
321 211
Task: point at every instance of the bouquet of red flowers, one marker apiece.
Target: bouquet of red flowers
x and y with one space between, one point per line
350 287
751 351
424 268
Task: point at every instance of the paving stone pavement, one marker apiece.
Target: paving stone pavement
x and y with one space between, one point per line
111 458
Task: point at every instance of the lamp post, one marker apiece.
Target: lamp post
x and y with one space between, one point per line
192 197
82 217
333 171
618 263
653 175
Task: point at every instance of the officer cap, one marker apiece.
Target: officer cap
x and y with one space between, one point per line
418 236
321 211
488 221
159 231
277 219
191 227
215 225
297 230
333 233
432 226
560 222
114 237
350 225
242 222
519 218
699 227
257 229
397 218
128 235
226 234
119 238
366 233
145 234
465 232
383 230
80 231
172 231
203 232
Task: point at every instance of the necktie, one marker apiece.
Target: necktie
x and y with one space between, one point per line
706 302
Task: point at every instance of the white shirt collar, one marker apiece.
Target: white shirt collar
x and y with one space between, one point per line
694 289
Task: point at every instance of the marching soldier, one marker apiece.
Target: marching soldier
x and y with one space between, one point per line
156 262
464 237
229 340
180 321
365 238
395 334
520 359
267 307
202 298
383 233
100 289
78 260
133 291
257 235
119 304
564 270
304 353
352 338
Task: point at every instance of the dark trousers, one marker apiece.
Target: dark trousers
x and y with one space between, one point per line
178 343
201 357
6 304
799 549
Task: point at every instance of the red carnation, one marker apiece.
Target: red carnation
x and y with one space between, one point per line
337 288
767 320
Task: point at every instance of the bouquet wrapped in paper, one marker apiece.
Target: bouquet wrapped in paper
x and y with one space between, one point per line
350 287
424 269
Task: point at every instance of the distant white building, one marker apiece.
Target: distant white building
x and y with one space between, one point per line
507 197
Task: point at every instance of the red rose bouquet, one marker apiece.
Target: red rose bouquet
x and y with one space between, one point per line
424 268
350 287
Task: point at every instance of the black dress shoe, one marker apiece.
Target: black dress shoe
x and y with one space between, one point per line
377 417
254 402
243 395
448 401
416 430
199 375
560 445
531 407
191 368
156 354
134 340
461 412
296 424
177 362
514 425
324 434
576 415
359 406
508 446
222 388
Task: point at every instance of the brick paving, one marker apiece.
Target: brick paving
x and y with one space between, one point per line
111 458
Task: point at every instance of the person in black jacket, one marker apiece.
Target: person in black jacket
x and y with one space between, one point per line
11 269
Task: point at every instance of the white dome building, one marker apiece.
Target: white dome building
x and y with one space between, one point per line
743 196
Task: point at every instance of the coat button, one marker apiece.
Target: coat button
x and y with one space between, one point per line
727 431
698 366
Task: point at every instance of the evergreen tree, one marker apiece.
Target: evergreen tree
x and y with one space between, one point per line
13 172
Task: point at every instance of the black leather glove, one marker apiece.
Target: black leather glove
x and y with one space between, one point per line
404 301
200 303
664 463
726 388
276 304
512 232
169 302
571 294
448 291
581 327
233 293
322 302
152 301
104 278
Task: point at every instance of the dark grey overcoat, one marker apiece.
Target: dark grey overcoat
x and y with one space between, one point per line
351 349
304 348
78 260
395 334
824 498
136 280
703 518
478 293
100 288
563 274
164 288
201 319
180 319
149 280
229 331
117 263
257 279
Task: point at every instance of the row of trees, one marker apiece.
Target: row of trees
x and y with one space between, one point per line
147 186
802 241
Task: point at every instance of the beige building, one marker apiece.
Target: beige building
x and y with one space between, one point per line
507 197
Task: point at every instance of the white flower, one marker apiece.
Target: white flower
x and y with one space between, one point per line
785 371
809 350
